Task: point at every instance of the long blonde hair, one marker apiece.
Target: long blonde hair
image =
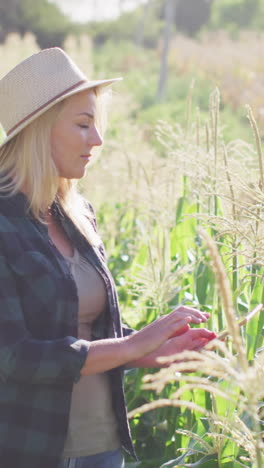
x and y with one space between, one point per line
26 164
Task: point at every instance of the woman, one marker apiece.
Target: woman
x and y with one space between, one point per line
62 345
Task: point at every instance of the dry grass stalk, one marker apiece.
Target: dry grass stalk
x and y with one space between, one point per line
163 402
241 218
258 144
226 297
243 389
230 184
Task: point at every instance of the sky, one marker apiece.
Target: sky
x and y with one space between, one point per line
84 10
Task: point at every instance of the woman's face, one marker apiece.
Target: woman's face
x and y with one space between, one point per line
74 135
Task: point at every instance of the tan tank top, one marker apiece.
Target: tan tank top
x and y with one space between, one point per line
92 426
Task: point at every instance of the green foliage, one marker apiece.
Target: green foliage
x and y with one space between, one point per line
166 262
42 18
169 265
128 27
145 23
241 13
129 61
46 21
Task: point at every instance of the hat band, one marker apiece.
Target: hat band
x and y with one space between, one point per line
45 105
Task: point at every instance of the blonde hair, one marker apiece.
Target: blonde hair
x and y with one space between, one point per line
26 164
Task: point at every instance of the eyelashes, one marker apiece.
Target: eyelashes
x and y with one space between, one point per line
83 126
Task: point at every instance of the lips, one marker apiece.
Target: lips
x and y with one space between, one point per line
86 156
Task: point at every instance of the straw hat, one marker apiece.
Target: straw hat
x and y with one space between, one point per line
36 84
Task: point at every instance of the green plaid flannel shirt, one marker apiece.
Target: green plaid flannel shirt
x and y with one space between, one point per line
40 354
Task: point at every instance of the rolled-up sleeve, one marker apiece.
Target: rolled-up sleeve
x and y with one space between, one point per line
126 331
26 359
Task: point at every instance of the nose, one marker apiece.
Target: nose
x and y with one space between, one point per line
96 138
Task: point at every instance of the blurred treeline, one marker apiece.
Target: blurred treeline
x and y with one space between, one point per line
142 26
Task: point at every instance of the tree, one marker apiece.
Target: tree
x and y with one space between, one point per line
46 21
170 8
9 15
141 28
191 15
42 18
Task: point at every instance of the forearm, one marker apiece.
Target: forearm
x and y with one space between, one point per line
144 347
106 354
151 360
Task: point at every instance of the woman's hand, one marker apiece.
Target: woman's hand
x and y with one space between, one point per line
107 354
192 340
197 316
158 332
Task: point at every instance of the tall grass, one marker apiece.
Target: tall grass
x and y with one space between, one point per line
233 429
196 178
235 65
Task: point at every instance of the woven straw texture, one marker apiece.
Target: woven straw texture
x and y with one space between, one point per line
36 84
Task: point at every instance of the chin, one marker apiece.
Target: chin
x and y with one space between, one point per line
76 175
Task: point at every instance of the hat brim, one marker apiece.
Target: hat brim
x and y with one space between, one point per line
82 87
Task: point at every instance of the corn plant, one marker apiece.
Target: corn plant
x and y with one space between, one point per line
232 428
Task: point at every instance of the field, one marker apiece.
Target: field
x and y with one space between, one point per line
179 194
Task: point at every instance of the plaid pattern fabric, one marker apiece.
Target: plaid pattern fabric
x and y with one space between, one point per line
40 356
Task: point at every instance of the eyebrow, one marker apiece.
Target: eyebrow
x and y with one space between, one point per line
91 116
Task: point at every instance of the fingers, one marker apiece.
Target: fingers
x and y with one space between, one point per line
192 339
196 315
181 331
194 334
156 333
203 333
179 327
